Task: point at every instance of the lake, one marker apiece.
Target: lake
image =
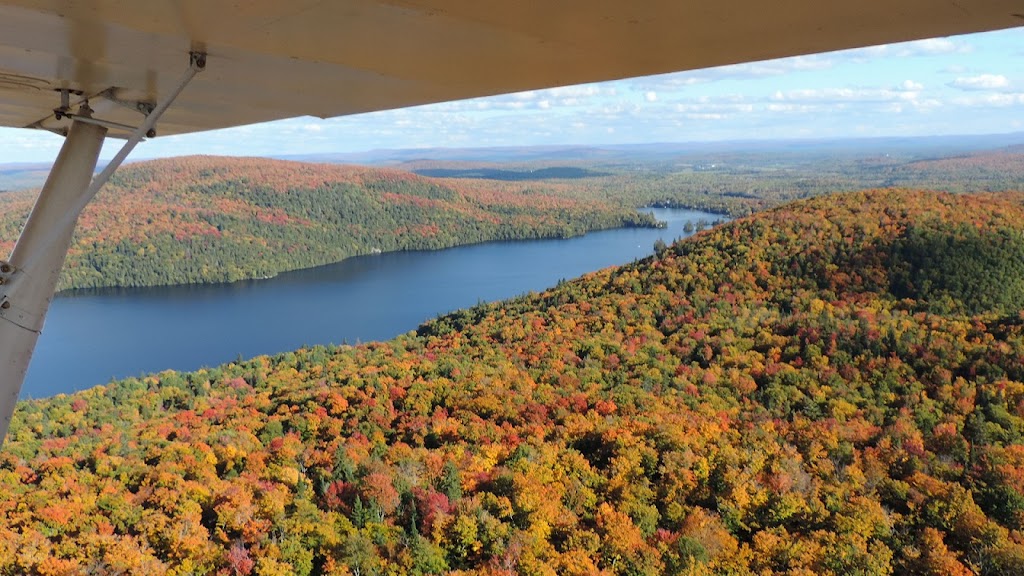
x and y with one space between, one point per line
94 336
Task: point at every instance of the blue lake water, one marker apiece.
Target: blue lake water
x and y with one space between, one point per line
94 336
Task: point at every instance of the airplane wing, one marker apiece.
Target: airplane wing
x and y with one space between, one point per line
273 59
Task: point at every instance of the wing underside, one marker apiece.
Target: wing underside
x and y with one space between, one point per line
272 59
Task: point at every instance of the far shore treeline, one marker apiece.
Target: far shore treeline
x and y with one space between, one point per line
204 219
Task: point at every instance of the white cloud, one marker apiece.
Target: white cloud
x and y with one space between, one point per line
1000 100
672 81
750 71
707 116
567 96
933 46
579 91
720 107
774 67
838 95
929 47
651 96
909 93
981 82
789 108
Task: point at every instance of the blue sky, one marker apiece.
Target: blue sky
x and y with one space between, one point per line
961 85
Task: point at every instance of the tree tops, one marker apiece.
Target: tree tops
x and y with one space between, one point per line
763 398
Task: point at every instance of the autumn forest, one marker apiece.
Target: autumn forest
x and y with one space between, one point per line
832 386
205 219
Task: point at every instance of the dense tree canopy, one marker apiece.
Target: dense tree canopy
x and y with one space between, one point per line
205 219
755 400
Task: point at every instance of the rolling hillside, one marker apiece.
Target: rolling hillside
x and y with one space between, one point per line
797 392
208 219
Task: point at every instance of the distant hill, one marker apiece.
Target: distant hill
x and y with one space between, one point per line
16 176
485 154
208 219
741 177
924 145
551 173
832 387
1002 162
19 176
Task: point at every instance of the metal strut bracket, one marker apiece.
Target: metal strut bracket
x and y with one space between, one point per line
197 63
88 119
29 277
7 272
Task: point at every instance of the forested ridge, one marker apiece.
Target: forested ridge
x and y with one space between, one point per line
217 219
788 393
212 219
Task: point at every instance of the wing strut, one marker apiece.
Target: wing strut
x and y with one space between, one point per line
28 279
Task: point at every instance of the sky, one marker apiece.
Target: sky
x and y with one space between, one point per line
971 84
